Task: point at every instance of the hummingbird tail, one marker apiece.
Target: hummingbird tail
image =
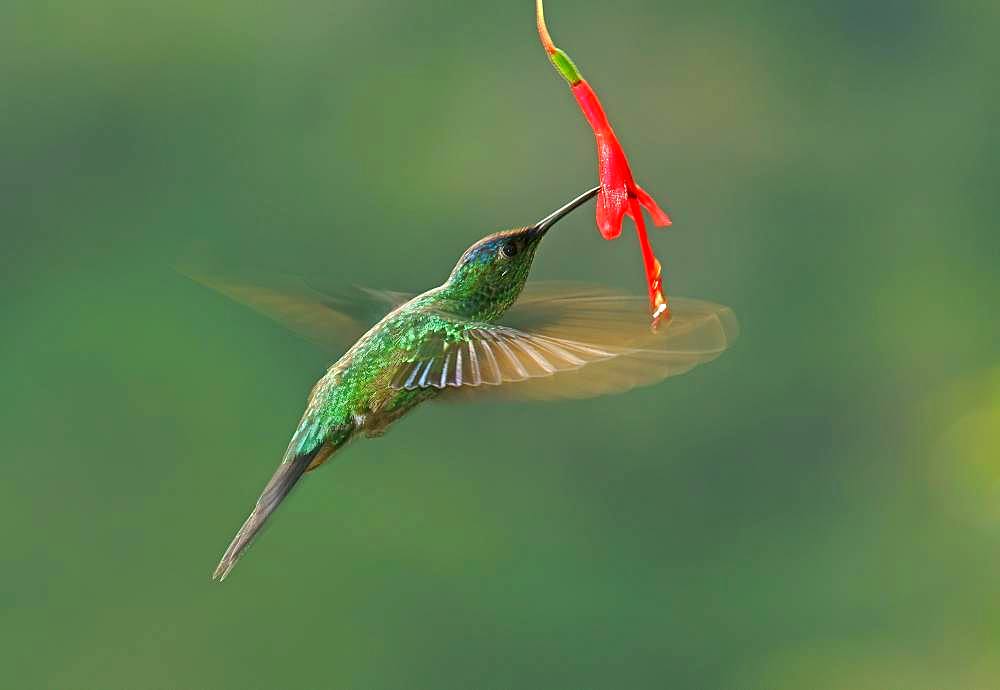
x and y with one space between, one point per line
285 477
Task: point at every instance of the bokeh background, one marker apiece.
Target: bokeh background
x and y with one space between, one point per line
819 508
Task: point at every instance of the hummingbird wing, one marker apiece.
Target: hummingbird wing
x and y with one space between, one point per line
332 321
560 340
571 341
489 355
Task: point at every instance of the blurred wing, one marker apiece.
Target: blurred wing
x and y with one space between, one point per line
332 321
491 355
581 311
572 341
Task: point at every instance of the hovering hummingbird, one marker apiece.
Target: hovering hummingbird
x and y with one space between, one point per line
556 340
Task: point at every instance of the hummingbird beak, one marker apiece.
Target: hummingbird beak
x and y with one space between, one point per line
542 226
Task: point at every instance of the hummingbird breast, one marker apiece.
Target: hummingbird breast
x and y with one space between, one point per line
356 388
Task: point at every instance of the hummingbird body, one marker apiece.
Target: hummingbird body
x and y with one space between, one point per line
354 395
364 392
356 391
449 338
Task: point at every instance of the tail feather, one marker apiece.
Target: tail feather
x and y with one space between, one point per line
287 474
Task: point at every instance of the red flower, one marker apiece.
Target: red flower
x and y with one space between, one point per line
619 195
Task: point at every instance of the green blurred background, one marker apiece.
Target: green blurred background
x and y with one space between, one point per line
819 508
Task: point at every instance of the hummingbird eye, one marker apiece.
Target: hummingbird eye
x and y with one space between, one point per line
509 249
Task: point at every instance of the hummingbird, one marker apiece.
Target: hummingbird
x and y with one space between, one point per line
478 332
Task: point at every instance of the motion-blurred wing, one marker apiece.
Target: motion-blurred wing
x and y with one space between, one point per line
333 322
491 355
698 332
573 341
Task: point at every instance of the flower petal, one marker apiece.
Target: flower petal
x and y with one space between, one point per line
660 216
612 202
659 307
611 206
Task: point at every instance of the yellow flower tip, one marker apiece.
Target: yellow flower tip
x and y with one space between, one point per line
543 30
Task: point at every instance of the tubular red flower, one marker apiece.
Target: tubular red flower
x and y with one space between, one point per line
617 183
619 195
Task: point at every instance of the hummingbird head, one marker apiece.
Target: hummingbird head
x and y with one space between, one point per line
488 278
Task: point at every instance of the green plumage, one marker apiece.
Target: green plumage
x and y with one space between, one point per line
355 392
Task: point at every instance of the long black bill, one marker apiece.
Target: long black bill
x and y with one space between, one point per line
542 226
